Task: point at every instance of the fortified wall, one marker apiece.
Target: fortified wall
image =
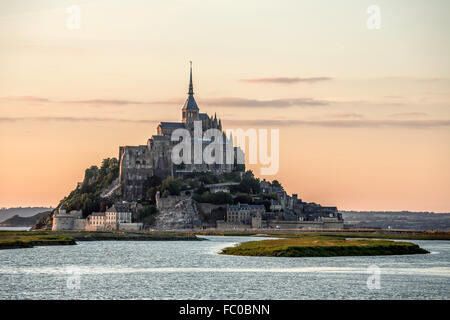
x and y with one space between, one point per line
68 221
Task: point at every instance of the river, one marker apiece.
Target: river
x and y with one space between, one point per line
194 270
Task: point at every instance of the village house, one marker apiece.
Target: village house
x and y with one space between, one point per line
96 221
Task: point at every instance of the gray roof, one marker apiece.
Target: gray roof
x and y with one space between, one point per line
245 206
190 103
156 137
119 207
219 187
203 116
97 214
172 124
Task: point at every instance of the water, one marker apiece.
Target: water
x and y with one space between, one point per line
15 228
194 270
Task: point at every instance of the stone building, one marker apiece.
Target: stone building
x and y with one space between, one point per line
63 220
243 213
138 163
116 215
96 221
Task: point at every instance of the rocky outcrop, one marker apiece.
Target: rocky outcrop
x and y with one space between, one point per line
44 223
112 190
176 212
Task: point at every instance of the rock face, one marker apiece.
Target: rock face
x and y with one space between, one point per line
112 190
44 223
176 212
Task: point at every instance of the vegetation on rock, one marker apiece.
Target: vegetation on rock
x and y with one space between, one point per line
86 197
147 215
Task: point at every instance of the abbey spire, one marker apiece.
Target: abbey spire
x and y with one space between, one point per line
190 109
191 87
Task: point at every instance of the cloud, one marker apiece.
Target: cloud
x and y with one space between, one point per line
25 99
279 103
347 115
418 79
410 114
412 124
75 119
286 80
221 102
119 102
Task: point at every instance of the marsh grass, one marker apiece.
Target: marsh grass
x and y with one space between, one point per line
322 247
27 239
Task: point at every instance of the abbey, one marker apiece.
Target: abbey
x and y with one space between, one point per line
138 163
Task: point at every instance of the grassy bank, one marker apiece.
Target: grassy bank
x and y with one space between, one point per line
28 239
322 247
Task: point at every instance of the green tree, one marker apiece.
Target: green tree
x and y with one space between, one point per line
96 180
172 186
147 215
150 187
249 184
276 184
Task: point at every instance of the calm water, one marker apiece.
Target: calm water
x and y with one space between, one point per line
194 270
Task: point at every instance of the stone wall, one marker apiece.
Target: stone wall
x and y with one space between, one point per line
79 224
223 225
62 222
130 226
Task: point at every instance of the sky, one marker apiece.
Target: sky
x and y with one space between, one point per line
363 113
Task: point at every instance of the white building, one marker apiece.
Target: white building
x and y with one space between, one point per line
119 217
96 221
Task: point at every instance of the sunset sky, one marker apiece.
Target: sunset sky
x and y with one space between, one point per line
363 114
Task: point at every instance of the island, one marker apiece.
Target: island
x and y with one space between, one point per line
318 246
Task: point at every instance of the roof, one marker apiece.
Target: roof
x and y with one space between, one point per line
203 116
219 187
172 124
190 104
244 206
157 137
119 207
